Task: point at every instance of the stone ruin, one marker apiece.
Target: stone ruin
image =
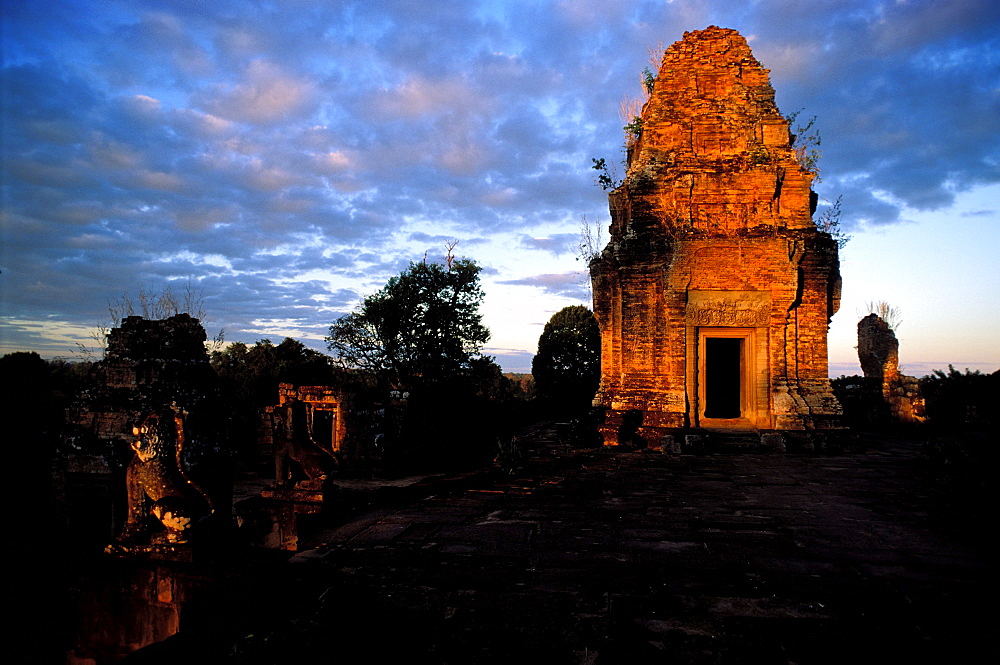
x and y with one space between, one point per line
153 423
716 290
305 434
306 431
151 429
153 411
878 353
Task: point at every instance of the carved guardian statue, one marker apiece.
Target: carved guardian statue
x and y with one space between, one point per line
159 484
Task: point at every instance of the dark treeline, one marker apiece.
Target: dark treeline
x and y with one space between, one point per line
955 401
37 392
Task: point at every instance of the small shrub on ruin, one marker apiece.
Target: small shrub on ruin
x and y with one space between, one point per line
805 140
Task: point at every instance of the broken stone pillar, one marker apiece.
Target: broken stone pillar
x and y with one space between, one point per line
878 353
878 348
715 292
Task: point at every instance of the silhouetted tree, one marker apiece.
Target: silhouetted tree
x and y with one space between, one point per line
422 328
962 401
250 376
252 373
35 394
961 452
862 401
567 367
420 337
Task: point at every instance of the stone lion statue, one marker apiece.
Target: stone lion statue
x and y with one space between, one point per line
158 484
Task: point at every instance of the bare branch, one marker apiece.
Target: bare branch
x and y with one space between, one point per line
891 314
654 58
591 240
829 222
449 256
629 110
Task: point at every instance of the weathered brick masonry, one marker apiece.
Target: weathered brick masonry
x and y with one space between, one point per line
715 293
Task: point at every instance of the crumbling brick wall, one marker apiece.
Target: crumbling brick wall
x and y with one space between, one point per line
148 364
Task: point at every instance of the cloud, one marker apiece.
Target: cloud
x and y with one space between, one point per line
254 152
559 243
417 97
512 360
906 96
265 95
572 285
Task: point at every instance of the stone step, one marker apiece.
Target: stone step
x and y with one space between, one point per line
732 440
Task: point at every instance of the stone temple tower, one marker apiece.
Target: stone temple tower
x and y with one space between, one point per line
715 292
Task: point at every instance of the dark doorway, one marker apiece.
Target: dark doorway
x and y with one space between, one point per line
722 377
323 426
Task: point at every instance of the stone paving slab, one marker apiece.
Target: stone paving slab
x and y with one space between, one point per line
615 556
621 557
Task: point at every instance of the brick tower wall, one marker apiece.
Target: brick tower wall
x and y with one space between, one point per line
712 235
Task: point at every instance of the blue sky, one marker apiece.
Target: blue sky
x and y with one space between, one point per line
286 158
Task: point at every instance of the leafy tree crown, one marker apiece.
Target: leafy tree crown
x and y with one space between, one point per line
568 362
422 327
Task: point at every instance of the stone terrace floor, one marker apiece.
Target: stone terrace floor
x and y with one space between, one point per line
607 556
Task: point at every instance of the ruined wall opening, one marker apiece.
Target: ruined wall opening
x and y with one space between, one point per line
324 426
723 377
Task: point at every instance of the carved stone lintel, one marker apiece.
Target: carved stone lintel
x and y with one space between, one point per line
728 308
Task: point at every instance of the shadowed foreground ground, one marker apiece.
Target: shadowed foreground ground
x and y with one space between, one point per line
624 557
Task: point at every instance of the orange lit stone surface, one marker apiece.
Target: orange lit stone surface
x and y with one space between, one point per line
715 292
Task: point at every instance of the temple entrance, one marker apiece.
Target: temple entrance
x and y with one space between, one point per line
723 361
725 377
